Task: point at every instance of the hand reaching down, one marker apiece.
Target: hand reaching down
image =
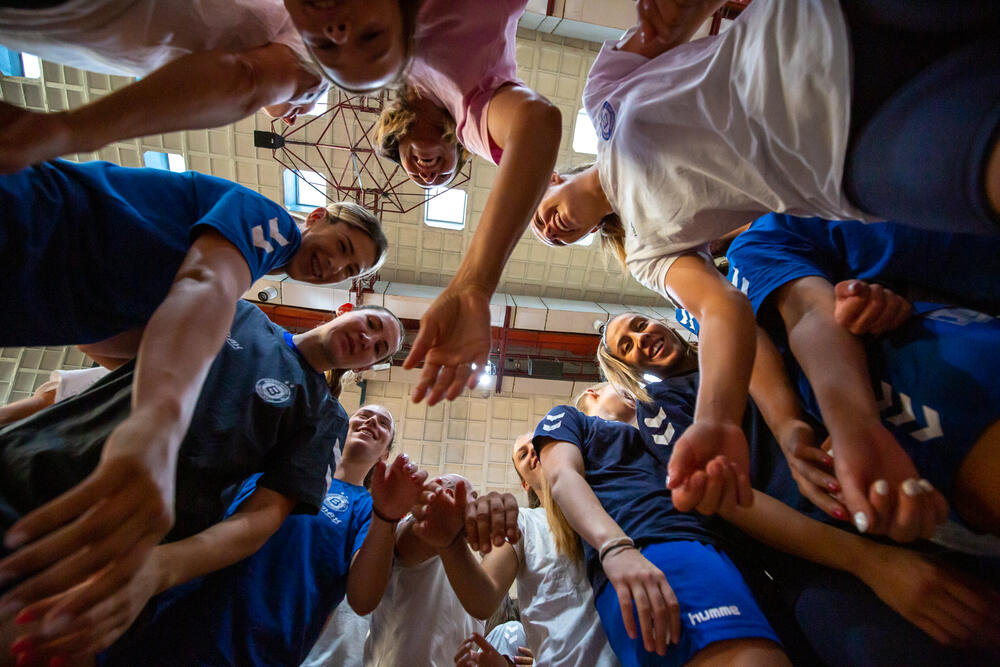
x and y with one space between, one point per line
812 468
454 336
89 542
695 484
440 514
641 584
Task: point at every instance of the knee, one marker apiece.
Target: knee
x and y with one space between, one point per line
749 652
977 483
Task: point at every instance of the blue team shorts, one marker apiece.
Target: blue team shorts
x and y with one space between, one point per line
715 604
936 381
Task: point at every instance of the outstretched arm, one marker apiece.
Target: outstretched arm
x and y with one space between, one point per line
455 331
926 594
635 579
133 484
169 565
879 480
195 91
42 398
727 344
394 488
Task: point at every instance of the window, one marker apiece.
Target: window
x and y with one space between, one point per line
304 190
322 104
168 161
14 63
584 136
445 208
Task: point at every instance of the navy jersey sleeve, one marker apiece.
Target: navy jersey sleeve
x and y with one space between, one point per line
262 231
302 463
562 423
771 254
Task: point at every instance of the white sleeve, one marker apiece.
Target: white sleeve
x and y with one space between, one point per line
73 382
652 272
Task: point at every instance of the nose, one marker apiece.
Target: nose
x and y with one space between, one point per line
338 32
428 176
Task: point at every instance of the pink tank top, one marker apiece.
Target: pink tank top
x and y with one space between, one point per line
463 53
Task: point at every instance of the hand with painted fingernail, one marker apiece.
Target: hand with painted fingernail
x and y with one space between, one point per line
811 467
880 483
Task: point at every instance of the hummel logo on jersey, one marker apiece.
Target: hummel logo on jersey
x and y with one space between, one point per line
258 236
553 418
715 612
903 415
654 424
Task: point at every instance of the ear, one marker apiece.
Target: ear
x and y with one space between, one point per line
556 178
345 308
317 214
593 392
384 457
525 486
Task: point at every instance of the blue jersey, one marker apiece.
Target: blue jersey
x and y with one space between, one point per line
91 250
935 376
268 609
628 476
262 409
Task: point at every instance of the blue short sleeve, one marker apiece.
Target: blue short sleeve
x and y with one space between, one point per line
262 231
563 423
771 254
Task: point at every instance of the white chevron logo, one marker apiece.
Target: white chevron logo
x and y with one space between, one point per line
276 233
664 438
908 417
654 422
551 427
258 239
744 286
553 418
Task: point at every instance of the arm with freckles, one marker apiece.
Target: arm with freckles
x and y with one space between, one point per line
456 329
195 91
727 346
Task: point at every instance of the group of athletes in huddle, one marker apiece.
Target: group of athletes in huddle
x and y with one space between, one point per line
814 481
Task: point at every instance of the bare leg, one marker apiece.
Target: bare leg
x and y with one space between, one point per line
977 483
740 653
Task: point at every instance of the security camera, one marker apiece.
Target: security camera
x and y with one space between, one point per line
267 294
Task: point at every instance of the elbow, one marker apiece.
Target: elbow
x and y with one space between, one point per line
361 607
542 120
242 81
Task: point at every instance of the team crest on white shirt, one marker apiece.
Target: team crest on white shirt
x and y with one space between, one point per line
272 391
606 121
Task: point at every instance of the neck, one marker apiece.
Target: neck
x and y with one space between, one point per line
352 472
591 180
310 346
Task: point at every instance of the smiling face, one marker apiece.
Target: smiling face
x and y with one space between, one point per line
331 252
428 158
360 43
360 338
526 462
567 213
644 344
369 433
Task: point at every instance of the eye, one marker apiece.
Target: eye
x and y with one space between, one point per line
370 36
343 247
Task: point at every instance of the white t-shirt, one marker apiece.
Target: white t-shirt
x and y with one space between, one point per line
716 132
556 600
136 37
73 382
342 642
419 621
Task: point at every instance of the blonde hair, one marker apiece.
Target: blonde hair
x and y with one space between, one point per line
567 541
581 399
610 228
395 120
359 217
623 377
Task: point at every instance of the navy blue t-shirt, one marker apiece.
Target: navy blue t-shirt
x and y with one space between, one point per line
628 476
90 250
268 609
262 409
